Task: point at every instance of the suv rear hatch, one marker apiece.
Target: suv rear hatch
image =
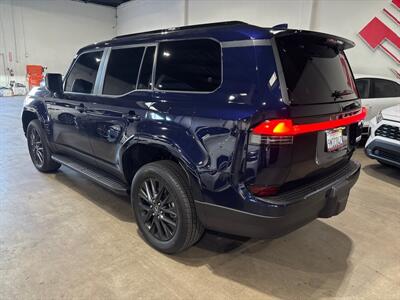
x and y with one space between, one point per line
319 131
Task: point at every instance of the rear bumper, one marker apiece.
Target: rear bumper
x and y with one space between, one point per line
293 209
384 150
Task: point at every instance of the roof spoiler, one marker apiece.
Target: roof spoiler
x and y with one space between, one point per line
283 26
337 41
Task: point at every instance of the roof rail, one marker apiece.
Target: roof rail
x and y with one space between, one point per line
158 31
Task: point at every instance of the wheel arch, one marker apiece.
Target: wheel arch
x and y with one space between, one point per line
27 117
138 153
35 109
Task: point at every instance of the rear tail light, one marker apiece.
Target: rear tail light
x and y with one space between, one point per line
281 131
262 190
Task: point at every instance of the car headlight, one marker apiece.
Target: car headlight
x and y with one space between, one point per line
379 117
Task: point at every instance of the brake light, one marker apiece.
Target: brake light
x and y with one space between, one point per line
286 128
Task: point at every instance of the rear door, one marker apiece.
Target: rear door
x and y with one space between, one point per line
125 89
318 90
320 87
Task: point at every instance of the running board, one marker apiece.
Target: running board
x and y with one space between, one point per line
93 173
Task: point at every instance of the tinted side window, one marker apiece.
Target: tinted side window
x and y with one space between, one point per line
363 87
147 69
383 88
82 77
122 70
192 65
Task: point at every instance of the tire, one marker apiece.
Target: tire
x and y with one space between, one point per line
165 185
39 149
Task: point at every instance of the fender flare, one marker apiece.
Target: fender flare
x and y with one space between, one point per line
38 108
189 167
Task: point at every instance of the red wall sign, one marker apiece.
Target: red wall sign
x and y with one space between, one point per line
376 32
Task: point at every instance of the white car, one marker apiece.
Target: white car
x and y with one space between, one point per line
384 141
377 93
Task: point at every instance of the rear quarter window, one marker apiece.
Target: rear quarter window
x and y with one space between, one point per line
190 65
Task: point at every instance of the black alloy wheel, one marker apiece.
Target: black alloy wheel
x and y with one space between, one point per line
36 148
164 208
157 209
39 149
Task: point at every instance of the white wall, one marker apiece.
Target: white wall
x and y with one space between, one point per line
49 33
146 15
341 17
346 18
259 12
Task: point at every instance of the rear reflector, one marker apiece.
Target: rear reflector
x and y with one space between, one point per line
256 139
263 191
285 127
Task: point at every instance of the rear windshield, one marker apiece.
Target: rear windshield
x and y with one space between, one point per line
315 71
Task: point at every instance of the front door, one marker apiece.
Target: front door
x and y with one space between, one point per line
68 111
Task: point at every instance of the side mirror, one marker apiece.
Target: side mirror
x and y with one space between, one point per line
54 83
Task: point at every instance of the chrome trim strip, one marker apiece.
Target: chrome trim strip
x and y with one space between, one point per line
246 43
153 71
140 67
102 71
281 76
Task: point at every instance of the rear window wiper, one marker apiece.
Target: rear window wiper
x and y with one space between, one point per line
339 94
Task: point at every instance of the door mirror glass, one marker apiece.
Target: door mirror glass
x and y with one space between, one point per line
54 83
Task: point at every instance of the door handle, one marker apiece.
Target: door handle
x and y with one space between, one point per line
131 116
81 108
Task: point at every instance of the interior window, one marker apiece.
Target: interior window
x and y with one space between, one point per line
383 88
82 77
147 69
122 70
363 87
191 65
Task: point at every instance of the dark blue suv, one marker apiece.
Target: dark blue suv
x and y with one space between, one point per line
225 126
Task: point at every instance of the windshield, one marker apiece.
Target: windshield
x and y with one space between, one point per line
315 70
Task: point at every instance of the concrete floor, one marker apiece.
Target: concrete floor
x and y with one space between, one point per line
62 236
